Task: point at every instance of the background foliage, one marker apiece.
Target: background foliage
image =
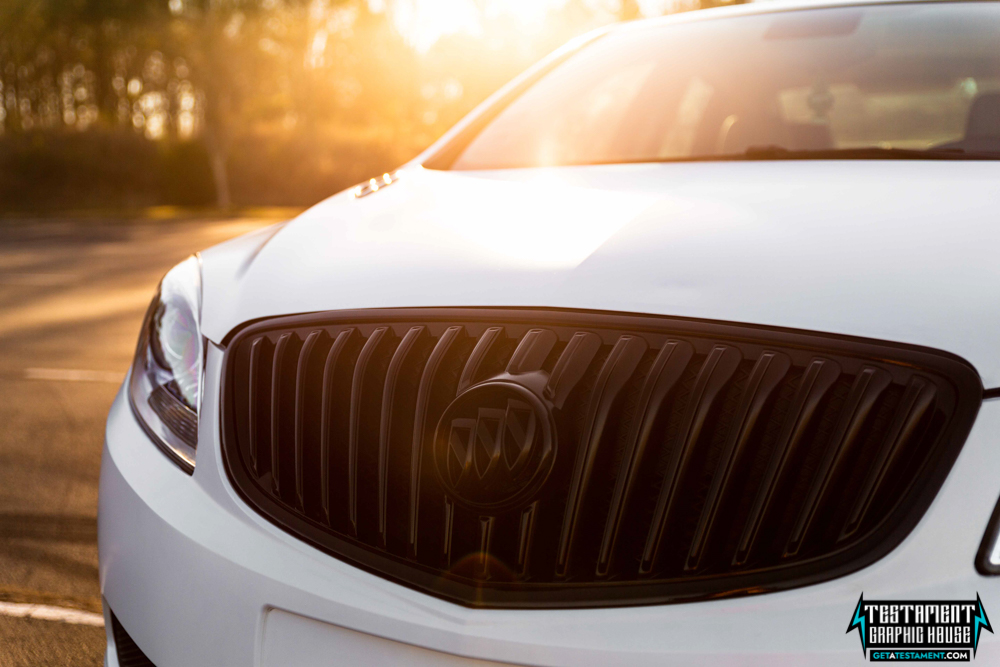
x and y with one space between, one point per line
132 103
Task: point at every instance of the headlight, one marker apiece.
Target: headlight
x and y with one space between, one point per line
165 390
988 559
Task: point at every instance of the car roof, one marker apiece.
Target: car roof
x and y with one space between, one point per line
768 7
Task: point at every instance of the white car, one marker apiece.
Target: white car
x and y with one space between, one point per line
680 349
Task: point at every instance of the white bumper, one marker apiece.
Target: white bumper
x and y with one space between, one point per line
198 578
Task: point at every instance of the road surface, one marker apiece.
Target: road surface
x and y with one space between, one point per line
72 296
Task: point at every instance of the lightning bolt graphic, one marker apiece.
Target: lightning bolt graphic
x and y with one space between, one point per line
859 622
981 622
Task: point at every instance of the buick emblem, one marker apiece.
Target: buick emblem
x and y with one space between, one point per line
494 447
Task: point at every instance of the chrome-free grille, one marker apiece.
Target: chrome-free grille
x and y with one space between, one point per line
547 458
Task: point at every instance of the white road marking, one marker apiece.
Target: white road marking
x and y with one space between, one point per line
73 375
44 612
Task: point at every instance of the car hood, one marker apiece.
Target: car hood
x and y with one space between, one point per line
905 251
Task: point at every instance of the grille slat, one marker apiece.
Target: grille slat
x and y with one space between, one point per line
280 350
524 535
301 372
479 353
530 458
389 393
357 384
532 351
448 528
666 371
256 350
333 357
485 546
819 377
571 366
715 372
421 423
769 370
616 371
869 386
914 406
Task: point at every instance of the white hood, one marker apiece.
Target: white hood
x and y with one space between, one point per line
897 250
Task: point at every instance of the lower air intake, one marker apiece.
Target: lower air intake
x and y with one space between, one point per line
537 458
129 653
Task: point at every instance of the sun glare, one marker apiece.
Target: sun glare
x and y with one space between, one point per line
423 22
527 12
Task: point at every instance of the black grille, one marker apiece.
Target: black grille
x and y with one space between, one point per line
589 459
129 654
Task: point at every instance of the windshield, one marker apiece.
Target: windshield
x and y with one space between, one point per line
920 80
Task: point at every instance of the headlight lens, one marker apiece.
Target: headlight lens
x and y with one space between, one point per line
165 389
988 559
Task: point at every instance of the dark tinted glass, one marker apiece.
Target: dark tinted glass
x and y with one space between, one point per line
909 76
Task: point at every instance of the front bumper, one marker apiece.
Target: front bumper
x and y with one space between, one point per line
197 578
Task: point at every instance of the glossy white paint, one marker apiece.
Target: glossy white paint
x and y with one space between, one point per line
895 250
898 250
194 576
290 639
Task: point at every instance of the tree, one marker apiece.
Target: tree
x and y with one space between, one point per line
332 90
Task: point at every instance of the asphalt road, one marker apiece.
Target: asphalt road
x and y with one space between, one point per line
72 296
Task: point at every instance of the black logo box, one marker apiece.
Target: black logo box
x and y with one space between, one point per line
920 624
